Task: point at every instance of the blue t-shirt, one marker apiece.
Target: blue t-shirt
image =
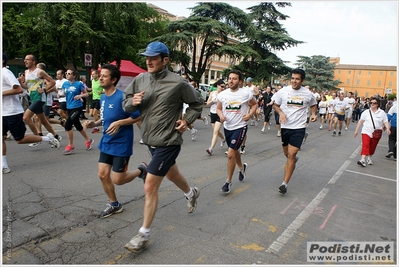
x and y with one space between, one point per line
71 90
121 143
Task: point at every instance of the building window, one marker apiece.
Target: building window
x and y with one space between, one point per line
369 72
379 83
368 82
349 72
380 73
358 82
390 84
339 71
391 73
348 81
360 72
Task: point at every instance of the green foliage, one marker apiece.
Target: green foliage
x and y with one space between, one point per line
319 72
391 96
62 32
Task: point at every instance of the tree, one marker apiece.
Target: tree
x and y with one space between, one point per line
217 29
64 31
319 72
208 32
267 36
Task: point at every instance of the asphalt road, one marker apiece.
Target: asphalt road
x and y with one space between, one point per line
51 203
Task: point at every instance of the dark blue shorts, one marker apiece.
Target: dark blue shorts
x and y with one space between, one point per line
119 164
15 125
294 137
163 158
340 117
234 138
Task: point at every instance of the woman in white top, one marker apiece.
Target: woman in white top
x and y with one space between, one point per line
322 110
371 119
215 120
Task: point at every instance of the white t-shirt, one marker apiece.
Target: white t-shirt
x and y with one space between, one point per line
58 85
379 117
234 107
322 107
294 104
340 106
330 105
11 103
351 101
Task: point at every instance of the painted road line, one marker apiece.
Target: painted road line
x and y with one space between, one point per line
370 175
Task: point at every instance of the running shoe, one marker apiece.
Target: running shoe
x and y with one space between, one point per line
268 126
69 149
339 133
192 202
95 130
226 188
263 129
143 168
206 122
110 209
35 144
53 141
242 150
209 151
334 133
222 142
6 170
89 143
282 188
242 175
193 134
137 243
361 163
369 162
278 133
389 155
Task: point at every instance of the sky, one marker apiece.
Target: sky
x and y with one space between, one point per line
359 32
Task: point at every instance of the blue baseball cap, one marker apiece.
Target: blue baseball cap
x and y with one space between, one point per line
155 49
249 79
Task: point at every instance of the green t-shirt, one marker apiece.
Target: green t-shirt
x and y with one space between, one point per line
96 89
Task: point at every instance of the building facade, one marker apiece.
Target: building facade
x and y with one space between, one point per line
366 80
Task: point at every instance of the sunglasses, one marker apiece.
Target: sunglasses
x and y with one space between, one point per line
373 102
69 73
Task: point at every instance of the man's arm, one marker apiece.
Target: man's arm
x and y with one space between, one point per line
50 83
17 89
127 103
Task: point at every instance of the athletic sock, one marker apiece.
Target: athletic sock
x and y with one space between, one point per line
45 138
189 194
115 204
5 164
145 231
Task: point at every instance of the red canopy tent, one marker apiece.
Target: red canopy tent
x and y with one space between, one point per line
128 70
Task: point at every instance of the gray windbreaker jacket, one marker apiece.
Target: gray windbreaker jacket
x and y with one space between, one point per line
162 106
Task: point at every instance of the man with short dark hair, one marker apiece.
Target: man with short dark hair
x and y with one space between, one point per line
116 144
159 95
235 108
291 103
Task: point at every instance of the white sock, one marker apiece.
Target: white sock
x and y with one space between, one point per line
45 138
5 164
189 194
284 183
145 231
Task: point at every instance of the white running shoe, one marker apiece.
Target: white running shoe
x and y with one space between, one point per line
35 144
53 141
193 133
263 129
206 122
